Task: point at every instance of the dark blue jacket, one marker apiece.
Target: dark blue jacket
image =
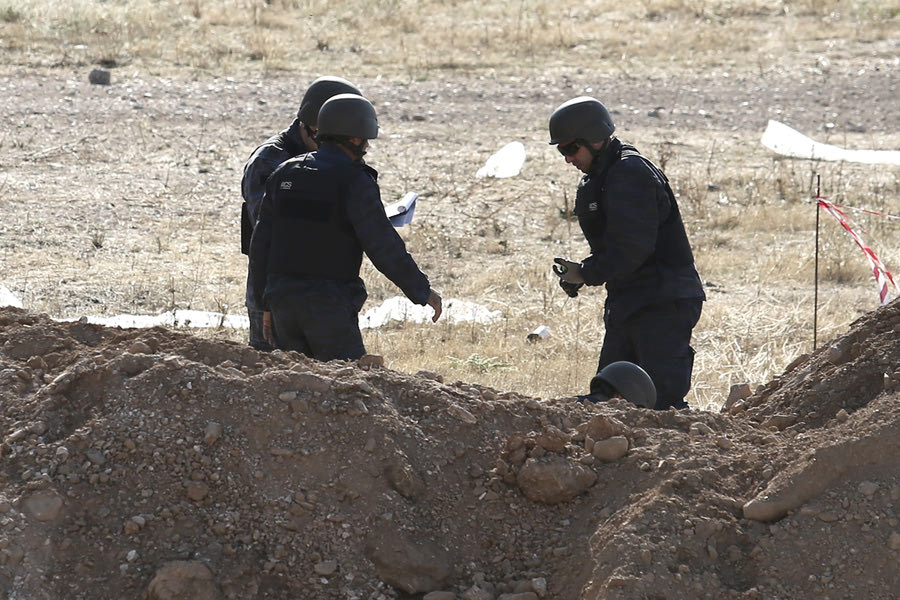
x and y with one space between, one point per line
262 163
320 212
631 221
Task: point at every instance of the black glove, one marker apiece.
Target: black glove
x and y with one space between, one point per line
571 289
567 270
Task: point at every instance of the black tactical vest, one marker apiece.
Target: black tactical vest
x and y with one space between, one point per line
672 246
312 237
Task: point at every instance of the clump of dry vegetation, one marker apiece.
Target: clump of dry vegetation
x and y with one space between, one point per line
140 215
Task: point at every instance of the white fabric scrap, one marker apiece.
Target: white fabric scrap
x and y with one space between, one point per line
400 309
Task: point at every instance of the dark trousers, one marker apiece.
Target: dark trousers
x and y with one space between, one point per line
321 322
255 313
658 339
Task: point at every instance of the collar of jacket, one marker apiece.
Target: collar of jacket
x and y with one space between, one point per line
331 153
606 157
293 141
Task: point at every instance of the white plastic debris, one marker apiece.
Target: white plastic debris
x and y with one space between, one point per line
789 142
507 162
399 308
7 298
541 333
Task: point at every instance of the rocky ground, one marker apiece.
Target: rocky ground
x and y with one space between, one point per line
160 465
154 464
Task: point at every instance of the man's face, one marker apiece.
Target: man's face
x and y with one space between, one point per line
577 153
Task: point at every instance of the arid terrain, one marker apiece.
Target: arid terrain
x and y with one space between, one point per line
454 462
155 464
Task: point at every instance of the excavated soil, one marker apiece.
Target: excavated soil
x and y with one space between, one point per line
154 464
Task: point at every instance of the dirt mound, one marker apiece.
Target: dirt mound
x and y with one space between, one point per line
153 464
841 377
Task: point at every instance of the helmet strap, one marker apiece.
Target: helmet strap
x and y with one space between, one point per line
358 150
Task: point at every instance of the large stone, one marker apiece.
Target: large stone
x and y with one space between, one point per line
415 566
43 505
184 580
602 427
611 449
553 479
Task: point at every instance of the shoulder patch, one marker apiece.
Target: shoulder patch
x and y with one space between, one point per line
286 185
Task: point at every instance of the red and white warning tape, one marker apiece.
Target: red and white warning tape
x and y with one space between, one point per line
883 278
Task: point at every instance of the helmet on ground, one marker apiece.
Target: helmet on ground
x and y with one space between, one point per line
582 118
318 92
629 380
348 115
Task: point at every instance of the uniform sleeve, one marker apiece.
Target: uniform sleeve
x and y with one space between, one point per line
380 240
633 218
259 167
259 250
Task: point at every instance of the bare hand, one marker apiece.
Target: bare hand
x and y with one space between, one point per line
434 301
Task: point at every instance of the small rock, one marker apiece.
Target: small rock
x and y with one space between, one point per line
326 568
780 422
894 541
213 433
371 361
462 414
552 439
439 595
99 77
183 580
611 449
197 490
697 429
738 391
477 593
95 456
43 505
867 488
554 479
139 347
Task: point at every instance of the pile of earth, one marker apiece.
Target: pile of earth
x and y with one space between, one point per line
156 464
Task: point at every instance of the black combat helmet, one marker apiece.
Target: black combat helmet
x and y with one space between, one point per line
629 380
318 92
582 118
348 115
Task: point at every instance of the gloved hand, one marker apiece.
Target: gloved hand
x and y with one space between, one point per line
571 289
568 271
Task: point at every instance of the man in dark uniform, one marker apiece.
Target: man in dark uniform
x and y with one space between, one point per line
639 249
320 212
297 139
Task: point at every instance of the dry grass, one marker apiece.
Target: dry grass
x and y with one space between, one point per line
750 216
416 37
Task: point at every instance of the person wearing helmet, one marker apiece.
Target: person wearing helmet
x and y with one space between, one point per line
320 212
638 248
298 138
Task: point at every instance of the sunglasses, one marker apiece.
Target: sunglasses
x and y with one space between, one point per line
569 149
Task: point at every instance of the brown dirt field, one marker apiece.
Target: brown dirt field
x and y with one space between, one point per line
151 463
157 464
